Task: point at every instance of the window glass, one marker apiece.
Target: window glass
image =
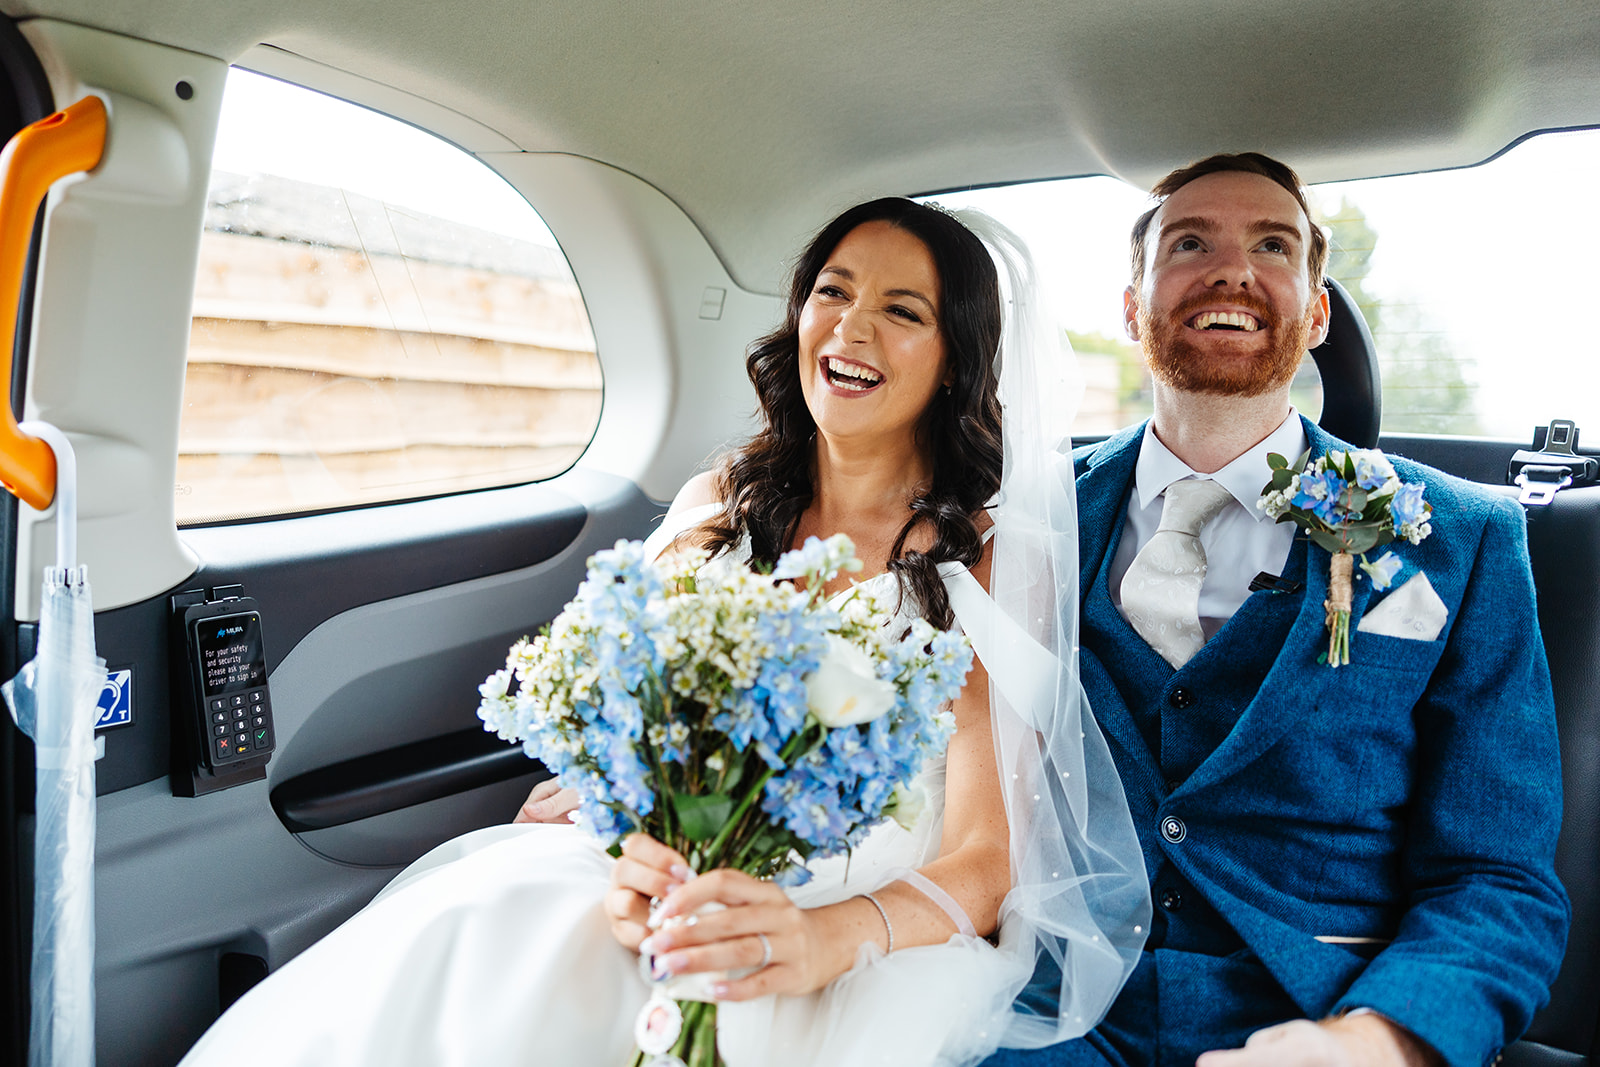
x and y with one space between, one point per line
377 316
1470 280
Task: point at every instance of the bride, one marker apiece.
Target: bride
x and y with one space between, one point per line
880 396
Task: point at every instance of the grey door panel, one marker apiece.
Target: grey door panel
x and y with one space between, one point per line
374 666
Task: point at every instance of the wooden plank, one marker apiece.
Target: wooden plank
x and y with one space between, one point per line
362 352
241 409
217 488
245 277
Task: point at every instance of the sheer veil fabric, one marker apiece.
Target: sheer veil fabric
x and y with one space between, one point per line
1079 890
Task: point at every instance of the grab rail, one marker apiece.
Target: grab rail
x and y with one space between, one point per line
70 141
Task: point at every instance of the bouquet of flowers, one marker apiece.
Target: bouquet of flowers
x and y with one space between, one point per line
744 719
1349 503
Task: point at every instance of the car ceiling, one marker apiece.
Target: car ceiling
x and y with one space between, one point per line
761 118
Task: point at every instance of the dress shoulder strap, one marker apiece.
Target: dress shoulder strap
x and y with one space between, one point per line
1020 669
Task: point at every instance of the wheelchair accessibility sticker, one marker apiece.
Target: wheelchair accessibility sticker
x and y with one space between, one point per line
116 700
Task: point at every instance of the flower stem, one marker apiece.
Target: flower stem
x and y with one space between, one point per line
713 852
1337 606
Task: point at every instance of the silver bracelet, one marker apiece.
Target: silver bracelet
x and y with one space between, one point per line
887 925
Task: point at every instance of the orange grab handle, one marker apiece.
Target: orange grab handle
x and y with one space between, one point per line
67 142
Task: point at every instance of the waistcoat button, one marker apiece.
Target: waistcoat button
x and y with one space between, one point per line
1173 830
1171 899
1181 698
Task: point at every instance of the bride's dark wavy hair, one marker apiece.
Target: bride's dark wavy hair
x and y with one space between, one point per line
767 483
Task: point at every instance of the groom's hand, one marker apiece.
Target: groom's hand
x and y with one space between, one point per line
1365 1040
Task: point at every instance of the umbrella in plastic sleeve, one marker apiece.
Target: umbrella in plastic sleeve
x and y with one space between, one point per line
53 698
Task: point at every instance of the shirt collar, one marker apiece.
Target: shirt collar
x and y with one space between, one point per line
1158 468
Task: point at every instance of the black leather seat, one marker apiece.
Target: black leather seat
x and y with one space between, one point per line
1564 540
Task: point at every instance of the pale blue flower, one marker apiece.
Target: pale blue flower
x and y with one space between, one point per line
1373 469
1408 509
792 876
1382 570
818 557
1319 494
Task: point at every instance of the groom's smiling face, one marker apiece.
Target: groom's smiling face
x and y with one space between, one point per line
1226 304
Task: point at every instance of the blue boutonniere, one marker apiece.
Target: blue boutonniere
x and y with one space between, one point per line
1349 503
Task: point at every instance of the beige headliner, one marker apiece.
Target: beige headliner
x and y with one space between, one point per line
759 118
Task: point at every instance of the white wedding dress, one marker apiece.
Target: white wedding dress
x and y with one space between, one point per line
492 951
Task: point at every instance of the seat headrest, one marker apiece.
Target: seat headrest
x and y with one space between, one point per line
1352 392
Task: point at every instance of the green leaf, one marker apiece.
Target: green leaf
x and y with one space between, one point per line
1276 462
1327 541
1358 499
1300 464
701 817
1281 479
1349 466
1362 539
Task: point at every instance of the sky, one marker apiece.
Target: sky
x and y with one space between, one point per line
1500 257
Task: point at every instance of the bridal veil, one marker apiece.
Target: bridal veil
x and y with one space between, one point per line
1079 894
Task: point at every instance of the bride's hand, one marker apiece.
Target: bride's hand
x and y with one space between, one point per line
731 940
548 803
646 869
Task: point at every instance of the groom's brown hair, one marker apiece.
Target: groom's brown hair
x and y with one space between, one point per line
1247 163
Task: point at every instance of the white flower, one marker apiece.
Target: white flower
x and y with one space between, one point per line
1382 570
496 685
907 804
843 690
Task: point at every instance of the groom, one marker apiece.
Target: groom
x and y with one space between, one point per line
1349 865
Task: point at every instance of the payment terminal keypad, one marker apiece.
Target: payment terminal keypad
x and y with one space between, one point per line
233 683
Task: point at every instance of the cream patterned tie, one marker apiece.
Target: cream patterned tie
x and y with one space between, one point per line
1161 591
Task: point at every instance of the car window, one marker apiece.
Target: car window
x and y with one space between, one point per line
377 316
1470 279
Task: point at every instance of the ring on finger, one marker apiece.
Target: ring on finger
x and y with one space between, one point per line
766 951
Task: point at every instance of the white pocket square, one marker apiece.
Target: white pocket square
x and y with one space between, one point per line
1413 611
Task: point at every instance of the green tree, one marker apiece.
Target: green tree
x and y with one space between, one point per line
1133 401
1427 388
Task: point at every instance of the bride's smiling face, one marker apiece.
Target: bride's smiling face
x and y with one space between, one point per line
871 348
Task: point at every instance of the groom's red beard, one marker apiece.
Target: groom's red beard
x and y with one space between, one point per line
1177 361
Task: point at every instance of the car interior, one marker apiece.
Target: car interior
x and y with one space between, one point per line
373 321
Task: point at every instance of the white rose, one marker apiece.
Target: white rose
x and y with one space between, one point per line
843 690
906 805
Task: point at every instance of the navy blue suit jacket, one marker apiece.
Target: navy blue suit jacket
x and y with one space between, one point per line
1411 799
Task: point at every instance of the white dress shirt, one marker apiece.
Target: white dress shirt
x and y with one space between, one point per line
1239 543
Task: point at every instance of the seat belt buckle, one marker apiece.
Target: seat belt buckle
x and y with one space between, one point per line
1553 464
1540 484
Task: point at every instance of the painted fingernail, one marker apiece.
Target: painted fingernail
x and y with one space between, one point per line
658 967
680 872
538 810
649 946
719 990
673 962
